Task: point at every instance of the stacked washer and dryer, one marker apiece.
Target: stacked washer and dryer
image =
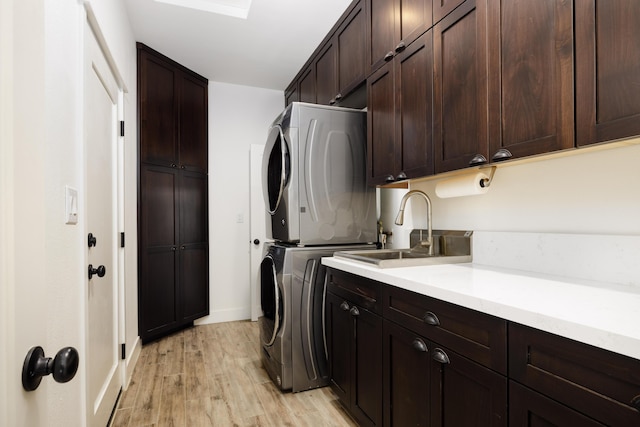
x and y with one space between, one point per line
314 183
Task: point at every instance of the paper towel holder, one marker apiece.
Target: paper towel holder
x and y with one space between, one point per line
486 182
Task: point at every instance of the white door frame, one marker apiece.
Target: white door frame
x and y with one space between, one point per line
258 226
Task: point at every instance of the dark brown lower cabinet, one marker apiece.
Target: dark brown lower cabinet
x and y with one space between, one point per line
428 385
407 391
465 393
354 344
550 381
602 385
173 287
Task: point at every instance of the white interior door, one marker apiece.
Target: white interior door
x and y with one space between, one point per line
258 227
100 141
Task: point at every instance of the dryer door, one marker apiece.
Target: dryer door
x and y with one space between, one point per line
276 168
271 301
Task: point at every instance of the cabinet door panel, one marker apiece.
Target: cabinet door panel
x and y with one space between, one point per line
194 281
326 77
194 217
308 86
193 124
460 86
381 139
157 109
157 291
158 192
414 88
461 383
382 31
351 51
406 377
367 384
531 61
607 70
338 334
530 409
593 381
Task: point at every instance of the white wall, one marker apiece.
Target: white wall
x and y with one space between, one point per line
238 117
588 192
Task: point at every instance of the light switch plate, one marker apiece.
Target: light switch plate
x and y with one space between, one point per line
70 205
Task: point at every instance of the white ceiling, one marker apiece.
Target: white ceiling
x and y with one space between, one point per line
266 50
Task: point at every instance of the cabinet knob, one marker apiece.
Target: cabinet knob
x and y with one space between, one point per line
389 178
332 101
354 311
344 306
440 356
173 248
478 159
431 319
419 345
401 176
389 56
173 165
400 47
91 240
502 154
338 97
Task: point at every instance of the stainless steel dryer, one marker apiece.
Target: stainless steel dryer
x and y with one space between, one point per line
291 328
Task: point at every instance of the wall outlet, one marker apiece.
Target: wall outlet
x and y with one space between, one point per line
240 218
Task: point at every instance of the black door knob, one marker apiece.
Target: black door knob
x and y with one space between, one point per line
92 240
256 241
63 367
100 271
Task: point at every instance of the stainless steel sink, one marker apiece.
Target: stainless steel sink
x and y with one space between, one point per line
451 247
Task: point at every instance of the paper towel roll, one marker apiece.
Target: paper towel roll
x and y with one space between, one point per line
465 185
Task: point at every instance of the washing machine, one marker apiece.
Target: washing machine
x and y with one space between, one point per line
292 291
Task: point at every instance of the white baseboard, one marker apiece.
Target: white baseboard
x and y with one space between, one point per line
226 315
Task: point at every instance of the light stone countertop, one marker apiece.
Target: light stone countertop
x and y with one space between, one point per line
601 314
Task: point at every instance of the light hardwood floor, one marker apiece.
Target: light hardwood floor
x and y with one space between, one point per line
211 375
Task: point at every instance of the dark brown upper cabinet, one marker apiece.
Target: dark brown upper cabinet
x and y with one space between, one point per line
607 70
531 103
391 26
503 82
172 113
337 67
400 143
340 65
460 119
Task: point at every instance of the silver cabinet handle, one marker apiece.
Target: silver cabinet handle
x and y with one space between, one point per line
419 345
440 356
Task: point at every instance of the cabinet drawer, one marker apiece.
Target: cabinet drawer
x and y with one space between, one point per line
475 335
595 382
358 290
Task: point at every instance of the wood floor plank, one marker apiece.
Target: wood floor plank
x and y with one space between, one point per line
196 384
147 407
172 413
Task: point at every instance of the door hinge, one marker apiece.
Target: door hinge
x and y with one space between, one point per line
121 127
124 353
122 239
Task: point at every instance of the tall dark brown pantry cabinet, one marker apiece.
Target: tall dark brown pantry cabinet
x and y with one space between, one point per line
173 285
